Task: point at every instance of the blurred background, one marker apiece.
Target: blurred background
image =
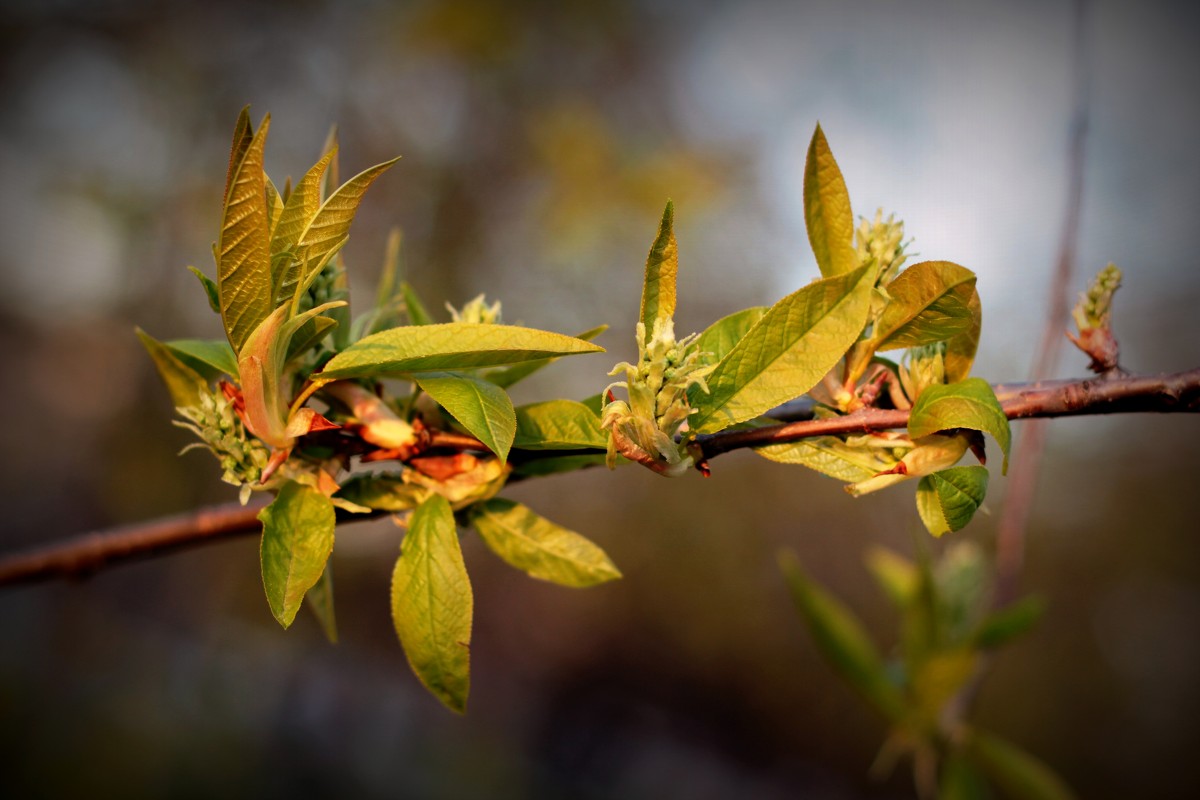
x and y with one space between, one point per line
540 141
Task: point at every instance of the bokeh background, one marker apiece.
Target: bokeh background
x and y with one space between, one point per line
539 142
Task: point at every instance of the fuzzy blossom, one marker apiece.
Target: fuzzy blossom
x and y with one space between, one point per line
476 310
881 241
644 428
216 423
922 366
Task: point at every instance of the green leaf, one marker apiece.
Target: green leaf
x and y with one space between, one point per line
946 500
210 289
896 575
1001 627
274 206
518 372
382 492
483 408
537 546
796 342
417 315
432 603
970 403
662 267
842 640
329 227
558 425
212 358
447 346
310 334
930 302
243 255
385 292
320 601
296 542
720 337
183 382
828 455
1019 774
827 213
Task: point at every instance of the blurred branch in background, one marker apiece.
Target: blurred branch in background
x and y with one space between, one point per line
76 558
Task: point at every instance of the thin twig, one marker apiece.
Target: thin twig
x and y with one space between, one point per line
86 554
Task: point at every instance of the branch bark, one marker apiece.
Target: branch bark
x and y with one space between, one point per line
84 555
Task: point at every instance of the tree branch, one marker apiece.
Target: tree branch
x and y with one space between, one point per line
83 555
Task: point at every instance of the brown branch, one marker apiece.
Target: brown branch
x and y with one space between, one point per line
83 555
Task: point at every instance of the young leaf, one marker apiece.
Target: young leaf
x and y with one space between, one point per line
212 358
827 213
432 605
483 408
417 315
507 376
243 255
382 492
828 455
243 134
385 292
296 542
320 601
537 546
183 382
558 425
787 351
1018 773
970 403
447 346
662 267
946 500
210 289
929 303
301 207
842 640
274 207
720 337
331 224
960 350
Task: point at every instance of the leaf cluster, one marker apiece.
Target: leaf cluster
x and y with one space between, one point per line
946 631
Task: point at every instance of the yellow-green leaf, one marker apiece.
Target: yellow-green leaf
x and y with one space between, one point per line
296 542
662 268
830 456
537 546
796 342
432 604
330 225
970 403
243 134
446 346
896 575
243 255
960 350
183 382
210 289
212 358
930 302
827 213
558 425
720 337
301 207
842 640
483 408
382 492
507 376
